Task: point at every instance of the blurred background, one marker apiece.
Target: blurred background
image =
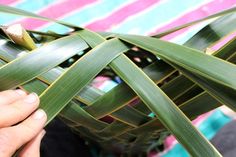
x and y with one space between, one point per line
144 17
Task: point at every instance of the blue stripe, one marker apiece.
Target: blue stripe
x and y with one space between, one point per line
28 5
165 11
208 128
88 14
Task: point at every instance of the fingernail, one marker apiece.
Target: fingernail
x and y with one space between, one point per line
31 98
39 114
20 92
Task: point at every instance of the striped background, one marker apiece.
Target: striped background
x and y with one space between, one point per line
124 16
143 17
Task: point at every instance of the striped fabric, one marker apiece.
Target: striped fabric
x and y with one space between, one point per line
143 17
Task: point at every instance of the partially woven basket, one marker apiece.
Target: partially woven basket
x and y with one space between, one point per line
133 116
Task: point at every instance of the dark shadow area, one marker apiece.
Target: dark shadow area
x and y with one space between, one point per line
60 141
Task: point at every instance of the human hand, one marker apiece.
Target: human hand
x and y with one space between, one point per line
19 124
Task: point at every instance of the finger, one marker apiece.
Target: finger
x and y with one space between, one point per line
18 110
9 96
32 149
12 138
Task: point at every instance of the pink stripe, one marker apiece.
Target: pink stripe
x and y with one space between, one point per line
120 15
55 11
212 7
7 2
99 81
221 43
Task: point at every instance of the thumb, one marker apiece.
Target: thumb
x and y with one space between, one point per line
32 148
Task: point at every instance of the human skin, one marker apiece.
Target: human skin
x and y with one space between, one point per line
21 123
